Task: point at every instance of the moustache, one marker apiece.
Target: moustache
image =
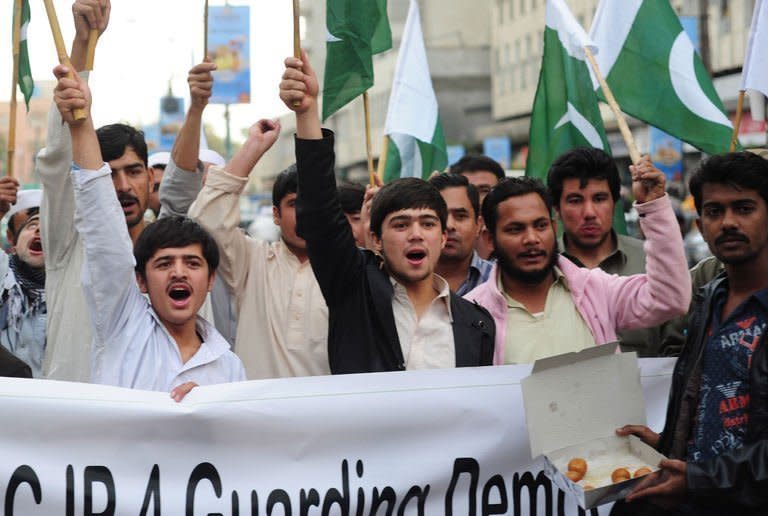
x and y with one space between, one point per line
731 237
123 196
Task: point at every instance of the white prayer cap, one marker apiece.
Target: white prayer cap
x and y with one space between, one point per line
25 199
211 156
158 158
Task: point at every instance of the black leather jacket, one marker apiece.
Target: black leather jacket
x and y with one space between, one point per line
362 334
736 479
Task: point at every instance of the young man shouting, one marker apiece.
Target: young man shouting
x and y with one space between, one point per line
159 344
390 311
22 294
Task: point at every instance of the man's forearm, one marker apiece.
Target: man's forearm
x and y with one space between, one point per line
245 159
78 55
186 148
86 152
308 124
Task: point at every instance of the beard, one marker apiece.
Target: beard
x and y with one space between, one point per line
530 277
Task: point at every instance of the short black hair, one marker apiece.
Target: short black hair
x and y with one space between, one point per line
743 170
404 194
476 162
583 163
170 232
450 180
29 212
351 197
512 187
114 139
286 182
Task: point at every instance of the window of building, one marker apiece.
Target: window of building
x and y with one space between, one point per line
511 9
725 17
522 7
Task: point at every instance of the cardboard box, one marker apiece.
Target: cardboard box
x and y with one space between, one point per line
573 405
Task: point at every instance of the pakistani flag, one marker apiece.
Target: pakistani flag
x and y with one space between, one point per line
655 73
25 72
565 112
357 29
416 145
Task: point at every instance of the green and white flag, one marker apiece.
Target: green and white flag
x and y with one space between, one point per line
565 111
416 143
357 29
26 84
656 74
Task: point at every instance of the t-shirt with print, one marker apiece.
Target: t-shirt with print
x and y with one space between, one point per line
723 410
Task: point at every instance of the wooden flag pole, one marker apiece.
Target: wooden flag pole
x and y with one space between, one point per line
93 37
296 36
15 83
296 29
61 49
383 158
369 153
634 154
205 31
737 122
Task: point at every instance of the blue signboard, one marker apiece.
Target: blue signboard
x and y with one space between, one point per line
499 149
667 154
455 153
229 30
171 120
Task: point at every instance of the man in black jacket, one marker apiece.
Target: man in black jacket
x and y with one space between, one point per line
716 432
387 312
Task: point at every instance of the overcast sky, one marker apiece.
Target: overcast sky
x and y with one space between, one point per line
150 42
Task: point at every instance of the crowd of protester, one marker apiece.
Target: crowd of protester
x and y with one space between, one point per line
469 268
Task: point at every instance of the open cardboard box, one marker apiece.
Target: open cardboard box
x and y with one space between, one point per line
573 404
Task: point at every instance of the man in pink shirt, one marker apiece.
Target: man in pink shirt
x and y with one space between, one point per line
543 304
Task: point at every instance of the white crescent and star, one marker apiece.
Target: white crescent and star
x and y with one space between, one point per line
687 88
583 125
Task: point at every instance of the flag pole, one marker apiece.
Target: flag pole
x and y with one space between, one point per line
15 82
634 154
93 37
383 158
296 36
205 31
369 153
61 49
296 29
737 122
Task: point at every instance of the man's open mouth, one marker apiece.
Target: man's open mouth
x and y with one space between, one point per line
36 246
416 256
179 293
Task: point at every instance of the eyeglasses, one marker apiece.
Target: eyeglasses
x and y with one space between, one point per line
32 224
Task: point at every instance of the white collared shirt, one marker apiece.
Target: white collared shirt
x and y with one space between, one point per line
131 347
426 341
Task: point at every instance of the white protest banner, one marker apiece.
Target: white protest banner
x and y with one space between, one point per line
450 442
